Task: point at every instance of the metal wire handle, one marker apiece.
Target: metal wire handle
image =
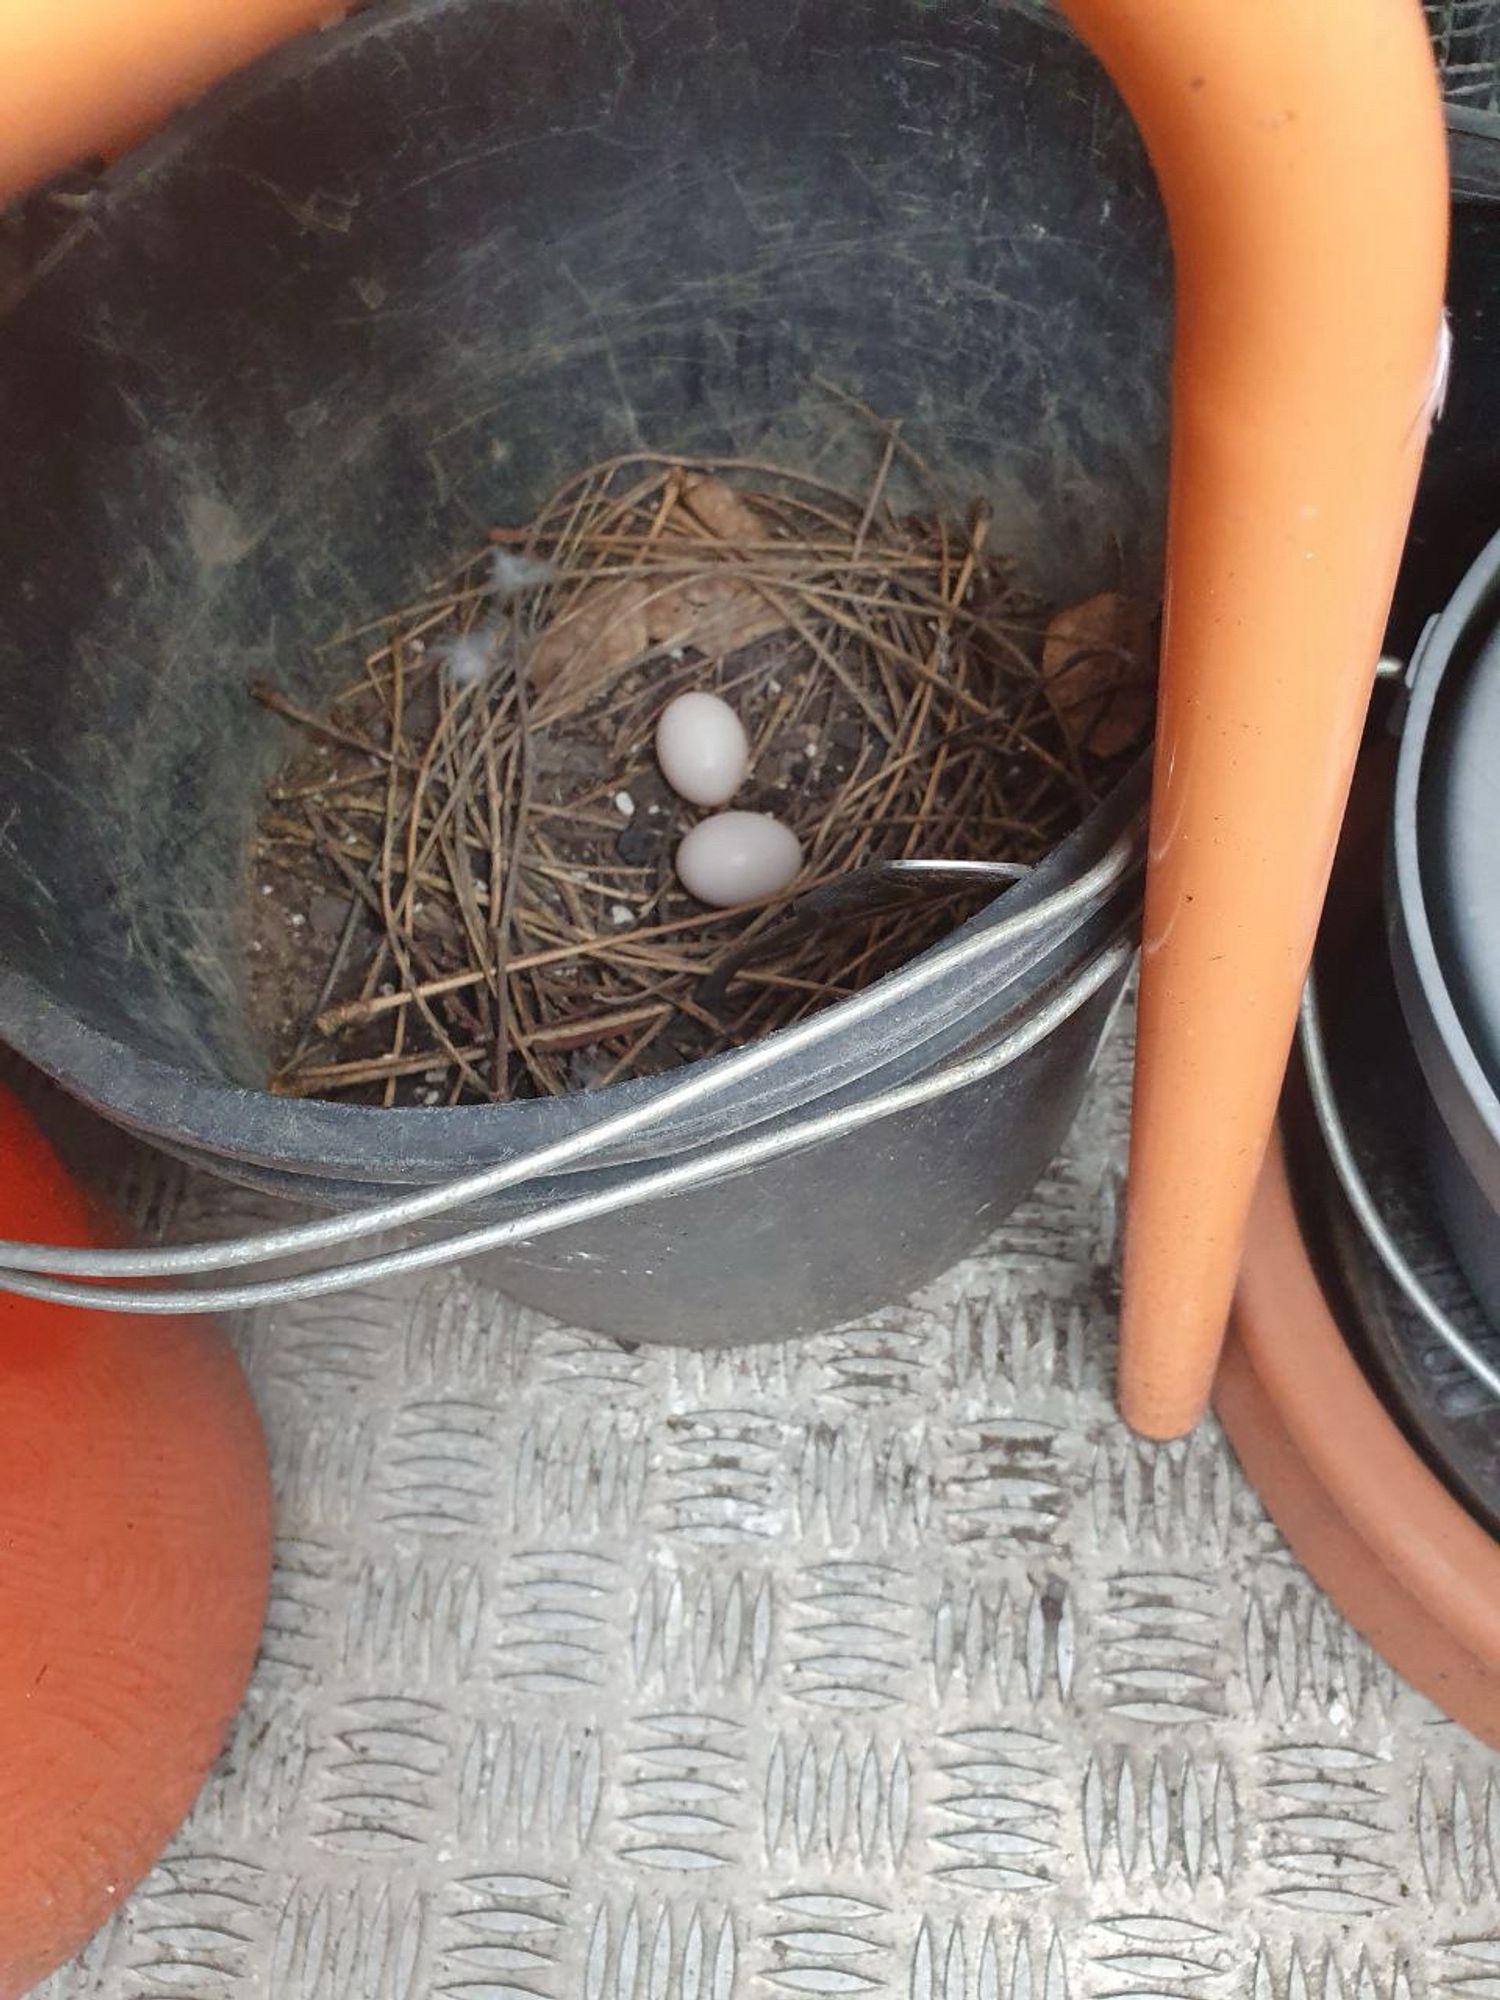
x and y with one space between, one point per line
1362 1202
19 1260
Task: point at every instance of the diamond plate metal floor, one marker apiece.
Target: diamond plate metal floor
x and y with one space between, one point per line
887 1664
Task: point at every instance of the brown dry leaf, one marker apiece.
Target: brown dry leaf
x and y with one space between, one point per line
725 513
610 624
717 614
1099 661
602 630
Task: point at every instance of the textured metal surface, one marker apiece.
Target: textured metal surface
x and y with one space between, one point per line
884 1664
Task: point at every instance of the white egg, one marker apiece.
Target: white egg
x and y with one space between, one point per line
738 857
702 748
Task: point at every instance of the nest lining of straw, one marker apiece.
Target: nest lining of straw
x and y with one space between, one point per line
462 887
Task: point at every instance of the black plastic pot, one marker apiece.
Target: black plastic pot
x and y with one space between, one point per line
395 284
1444 910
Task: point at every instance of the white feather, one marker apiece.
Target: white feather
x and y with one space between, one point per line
513 575
469 659
1442 368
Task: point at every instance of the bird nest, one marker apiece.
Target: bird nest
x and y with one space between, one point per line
463 887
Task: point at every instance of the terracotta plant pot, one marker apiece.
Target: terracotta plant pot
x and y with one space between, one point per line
135 1541
1399 1555
1403 1561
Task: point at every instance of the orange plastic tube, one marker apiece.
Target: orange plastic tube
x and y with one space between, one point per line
1300 151
90 76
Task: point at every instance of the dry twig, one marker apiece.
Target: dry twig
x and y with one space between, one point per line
511 930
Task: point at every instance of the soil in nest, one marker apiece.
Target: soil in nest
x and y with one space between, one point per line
462 886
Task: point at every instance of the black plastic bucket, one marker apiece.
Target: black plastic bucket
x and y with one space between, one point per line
394 285
1444 910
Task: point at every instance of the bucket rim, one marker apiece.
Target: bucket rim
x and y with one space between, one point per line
216 1120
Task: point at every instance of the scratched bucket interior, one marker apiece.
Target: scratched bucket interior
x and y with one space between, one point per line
410 274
